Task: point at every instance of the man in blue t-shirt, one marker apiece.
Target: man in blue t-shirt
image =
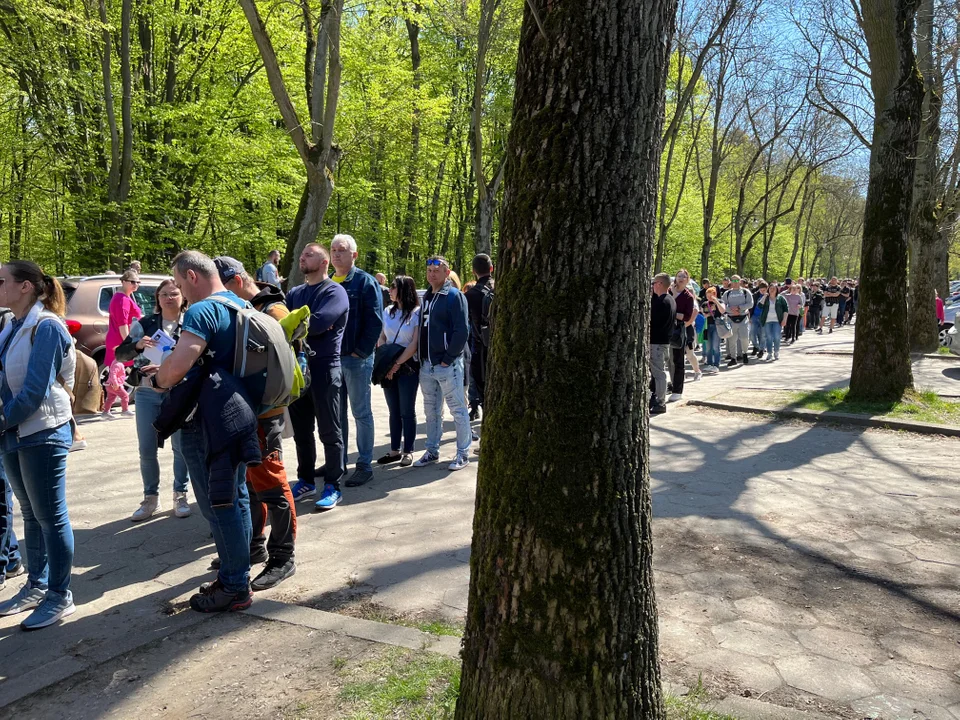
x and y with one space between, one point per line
209 334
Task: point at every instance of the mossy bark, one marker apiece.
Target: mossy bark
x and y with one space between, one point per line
881 354
562 618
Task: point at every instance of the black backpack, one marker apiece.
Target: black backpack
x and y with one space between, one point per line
486 306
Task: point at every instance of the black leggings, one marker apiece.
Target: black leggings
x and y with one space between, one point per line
793 322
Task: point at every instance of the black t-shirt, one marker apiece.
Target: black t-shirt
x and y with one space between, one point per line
846 293
832 289
663 316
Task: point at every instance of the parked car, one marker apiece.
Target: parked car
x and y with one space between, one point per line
88 303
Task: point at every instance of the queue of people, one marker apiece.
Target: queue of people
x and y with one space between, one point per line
193 387
740 319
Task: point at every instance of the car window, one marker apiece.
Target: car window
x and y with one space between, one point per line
106 295
146 297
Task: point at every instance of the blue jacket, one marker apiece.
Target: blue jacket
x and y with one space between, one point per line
365 320
447 325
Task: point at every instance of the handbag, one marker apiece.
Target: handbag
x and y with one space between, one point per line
678 337
385 357
724 328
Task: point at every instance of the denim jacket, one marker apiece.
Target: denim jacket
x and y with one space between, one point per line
447 326
365 319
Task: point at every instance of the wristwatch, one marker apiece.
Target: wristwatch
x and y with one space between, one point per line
153 383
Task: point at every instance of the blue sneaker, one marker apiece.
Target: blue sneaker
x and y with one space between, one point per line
329 499
54 607
27 599
303 490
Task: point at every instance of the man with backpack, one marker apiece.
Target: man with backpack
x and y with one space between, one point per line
267 482
739 302
479 304
329 307
268 272
364 323
208 345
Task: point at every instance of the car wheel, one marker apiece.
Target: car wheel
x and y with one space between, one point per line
946 339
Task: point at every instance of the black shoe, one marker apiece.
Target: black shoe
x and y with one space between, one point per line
474 414
273 575
658 409
745 360
389 458
257 557
760 355
359 477
214 598
731 362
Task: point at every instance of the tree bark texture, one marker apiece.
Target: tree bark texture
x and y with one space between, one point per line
562 619
924 221
881 353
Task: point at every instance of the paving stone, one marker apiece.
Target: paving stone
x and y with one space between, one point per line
841 645
752 673
755 638
926 684
698 608
887 535
827 678
681 639
938 651
880 552
774 612
888 707
725 584
947 553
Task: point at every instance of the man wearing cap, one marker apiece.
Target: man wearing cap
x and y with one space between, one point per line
443 334
267 483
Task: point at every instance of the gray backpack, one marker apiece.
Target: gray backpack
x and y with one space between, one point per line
263 358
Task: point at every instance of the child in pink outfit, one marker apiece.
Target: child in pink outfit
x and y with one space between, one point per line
116 389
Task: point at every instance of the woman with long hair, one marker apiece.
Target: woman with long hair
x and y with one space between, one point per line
122 312
168 316
773 317
687 316
38 361
400 323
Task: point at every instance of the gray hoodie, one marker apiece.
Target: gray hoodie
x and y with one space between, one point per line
742 299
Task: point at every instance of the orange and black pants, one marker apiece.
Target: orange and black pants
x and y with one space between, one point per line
270 495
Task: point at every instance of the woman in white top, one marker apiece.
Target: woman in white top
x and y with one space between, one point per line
400 322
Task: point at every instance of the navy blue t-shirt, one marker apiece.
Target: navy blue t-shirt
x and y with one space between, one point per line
214 322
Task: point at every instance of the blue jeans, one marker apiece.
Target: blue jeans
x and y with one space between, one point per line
38 476
231 526
438 383
401 396
756 333
357 375
148 408
711 346
773 332
9 547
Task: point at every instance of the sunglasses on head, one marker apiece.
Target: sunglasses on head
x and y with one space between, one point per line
435 262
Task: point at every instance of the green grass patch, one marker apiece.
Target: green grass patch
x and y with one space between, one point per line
403 684
922 406
943 351
406 684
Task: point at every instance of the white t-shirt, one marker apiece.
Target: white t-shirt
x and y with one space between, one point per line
391 326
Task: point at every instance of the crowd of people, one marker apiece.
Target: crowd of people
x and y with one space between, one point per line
194 365
740 319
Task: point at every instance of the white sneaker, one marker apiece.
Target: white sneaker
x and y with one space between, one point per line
427 458
107 415
674 397
459 462
78 445
776 356
181 507
697 375
128 413
150 505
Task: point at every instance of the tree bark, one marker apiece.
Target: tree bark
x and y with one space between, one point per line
881 353
562 619
402 258
924 222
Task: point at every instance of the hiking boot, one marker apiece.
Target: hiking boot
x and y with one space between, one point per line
273 575
459 462
361 476
215 598
26 599
329 499
181 507
303 489
52 608
149 506
428 458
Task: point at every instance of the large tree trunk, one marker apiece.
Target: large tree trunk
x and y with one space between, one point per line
562 620
402 258
881 353
924 230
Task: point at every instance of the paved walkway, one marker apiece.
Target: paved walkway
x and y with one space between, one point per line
815 567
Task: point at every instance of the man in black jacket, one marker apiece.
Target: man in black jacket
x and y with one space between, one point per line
478 306
663 316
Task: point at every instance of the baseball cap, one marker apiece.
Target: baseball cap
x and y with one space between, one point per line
228 267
